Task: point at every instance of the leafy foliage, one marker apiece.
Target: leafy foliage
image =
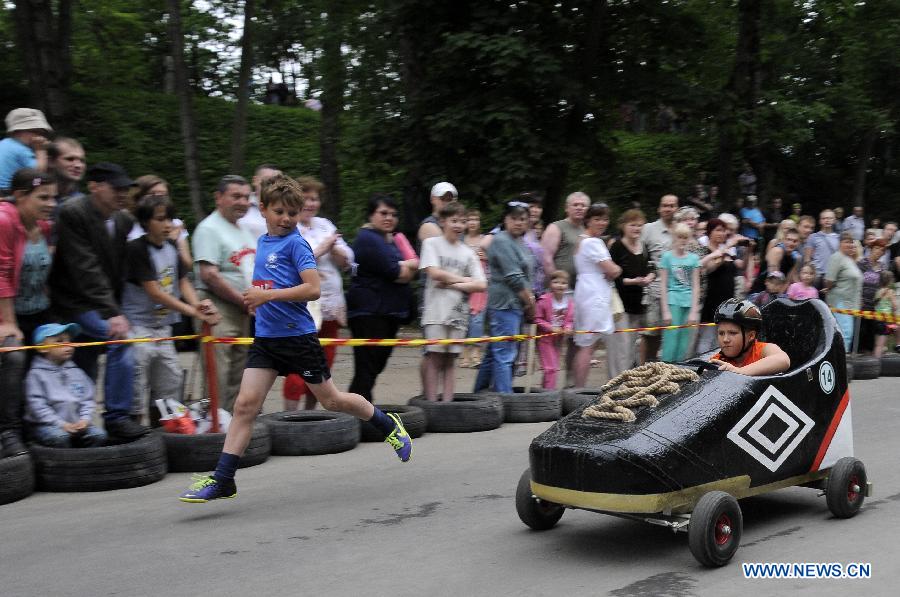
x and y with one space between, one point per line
625 100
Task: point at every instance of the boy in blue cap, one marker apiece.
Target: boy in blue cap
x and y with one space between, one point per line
60 396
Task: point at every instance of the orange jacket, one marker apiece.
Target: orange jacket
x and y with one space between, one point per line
753 354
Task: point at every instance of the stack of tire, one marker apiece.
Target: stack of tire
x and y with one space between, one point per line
575 398
16 478
536 406
115 466
311 432
194 453
890 364
466 413
869 367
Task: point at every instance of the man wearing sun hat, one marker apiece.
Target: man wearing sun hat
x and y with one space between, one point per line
25 145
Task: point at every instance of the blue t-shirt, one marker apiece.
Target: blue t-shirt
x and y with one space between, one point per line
279 261
13 156
754 215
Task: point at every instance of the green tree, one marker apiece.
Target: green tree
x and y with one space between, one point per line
44 32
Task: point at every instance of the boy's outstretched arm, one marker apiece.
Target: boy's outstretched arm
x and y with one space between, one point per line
774 360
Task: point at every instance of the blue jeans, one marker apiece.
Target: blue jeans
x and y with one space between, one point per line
56 437
476 325
119 380
497 365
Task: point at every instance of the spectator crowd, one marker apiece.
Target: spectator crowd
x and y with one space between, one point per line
89 254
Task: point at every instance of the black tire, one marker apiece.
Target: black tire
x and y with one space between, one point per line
890 365
132 464
533 407
538 514
412 417
16 478
575 398
464 414
199 453
311 432
866 367
845 488
714 533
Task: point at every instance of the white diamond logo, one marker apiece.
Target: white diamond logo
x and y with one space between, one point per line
772 410
756 433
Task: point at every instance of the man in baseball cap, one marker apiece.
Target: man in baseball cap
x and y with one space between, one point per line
776 286
25 145
441 194
86 281
108 172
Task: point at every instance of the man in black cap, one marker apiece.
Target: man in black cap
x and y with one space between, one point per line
86 285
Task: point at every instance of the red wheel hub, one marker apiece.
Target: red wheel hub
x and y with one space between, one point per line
853 488
723 530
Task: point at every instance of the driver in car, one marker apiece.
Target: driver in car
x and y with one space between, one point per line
737 324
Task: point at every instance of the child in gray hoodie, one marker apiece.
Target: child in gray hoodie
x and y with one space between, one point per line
60 396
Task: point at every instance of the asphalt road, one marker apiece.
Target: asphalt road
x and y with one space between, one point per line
443 524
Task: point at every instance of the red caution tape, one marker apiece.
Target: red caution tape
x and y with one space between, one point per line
394 342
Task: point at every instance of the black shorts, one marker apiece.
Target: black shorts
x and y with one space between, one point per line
302 355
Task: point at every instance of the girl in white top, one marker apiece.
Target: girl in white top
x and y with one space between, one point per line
332 256
593 289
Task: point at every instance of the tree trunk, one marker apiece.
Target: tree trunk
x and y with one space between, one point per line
44 40
334 75
185 109
862 166
741 95
588 66
725 174
416 203
239 130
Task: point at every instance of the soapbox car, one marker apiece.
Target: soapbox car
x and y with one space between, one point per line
685 463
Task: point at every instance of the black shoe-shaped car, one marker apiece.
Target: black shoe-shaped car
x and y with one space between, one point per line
685 463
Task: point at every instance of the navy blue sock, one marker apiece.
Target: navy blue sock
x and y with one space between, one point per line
226 467
384 423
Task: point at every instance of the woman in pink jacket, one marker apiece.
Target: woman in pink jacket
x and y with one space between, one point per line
24 265
554 313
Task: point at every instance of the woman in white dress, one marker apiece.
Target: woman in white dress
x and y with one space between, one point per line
593 289
332 256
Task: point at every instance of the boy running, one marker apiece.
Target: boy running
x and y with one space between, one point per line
284 279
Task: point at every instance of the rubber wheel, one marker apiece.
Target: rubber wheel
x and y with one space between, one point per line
866 367
465 413
715 530
16 478
534 512
890 365
575 398
533 407
412 417
199 453
845 488
132 464
310 432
